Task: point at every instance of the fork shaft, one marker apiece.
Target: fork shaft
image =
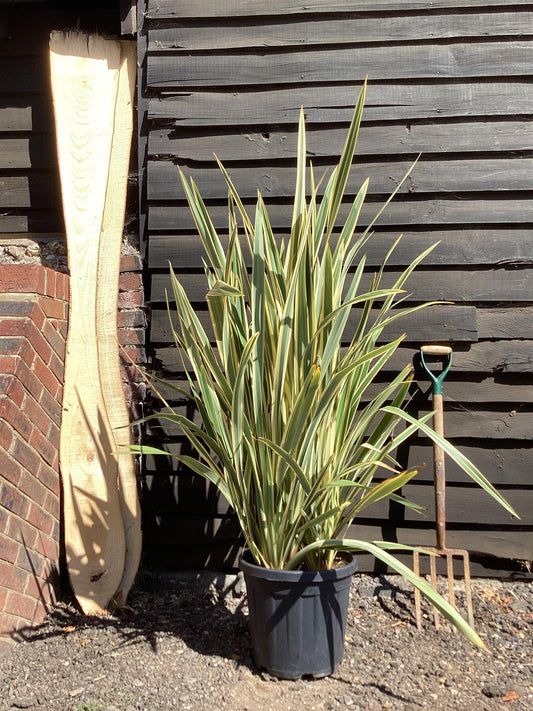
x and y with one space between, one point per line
439 473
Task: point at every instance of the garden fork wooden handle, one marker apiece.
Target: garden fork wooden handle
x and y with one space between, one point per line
439 471
436 350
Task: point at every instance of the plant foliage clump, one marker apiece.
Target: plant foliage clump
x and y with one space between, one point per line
295 420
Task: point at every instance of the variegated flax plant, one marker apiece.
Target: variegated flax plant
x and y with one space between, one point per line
293 428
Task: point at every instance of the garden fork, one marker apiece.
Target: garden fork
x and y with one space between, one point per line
440 500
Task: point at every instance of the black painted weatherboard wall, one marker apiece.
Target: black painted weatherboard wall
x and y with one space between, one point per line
30 197
448 80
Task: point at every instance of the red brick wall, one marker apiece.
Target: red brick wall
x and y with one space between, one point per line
33 328
33 325
132 331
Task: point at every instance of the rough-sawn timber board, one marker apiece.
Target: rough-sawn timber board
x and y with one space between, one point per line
85 79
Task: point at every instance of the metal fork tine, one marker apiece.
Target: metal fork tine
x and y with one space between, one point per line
433 574
418 606
449 572
468 588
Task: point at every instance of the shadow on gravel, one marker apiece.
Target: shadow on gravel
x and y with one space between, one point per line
387 692
395 600
209 621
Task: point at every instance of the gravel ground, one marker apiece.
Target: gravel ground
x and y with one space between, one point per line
188 648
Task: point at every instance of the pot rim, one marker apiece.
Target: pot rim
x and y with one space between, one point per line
249 567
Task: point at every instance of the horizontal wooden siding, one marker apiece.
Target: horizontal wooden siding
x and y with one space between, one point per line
30 203
450 84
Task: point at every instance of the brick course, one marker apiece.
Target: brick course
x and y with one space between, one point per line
33 313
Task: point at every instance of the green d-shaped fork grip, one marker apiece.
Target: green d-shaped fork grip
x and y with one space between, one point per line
437 380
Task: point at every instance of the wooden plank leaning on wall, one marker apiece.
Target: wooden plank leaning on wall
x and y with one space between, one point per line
92 82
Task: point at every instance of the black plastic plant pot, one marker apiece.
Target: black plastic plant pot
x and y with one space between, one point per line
298 618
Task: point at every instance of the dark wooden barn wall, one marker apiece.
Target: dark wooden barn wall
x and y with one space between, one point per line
450 80
30 202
